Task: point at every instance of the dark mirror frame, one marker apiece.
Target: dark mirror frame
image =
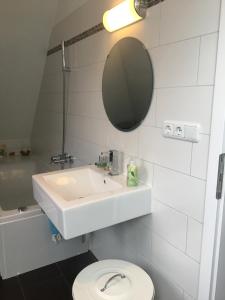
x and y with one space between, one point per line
138 83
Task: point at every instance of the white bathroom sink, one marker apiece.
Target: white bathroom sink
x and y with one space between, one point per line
85 199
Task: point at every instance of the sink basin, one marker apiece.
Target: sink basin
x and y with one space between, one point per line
80 183
85 199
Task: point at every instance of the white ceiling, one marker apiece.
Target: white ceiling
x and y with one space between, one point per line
66 7
25 28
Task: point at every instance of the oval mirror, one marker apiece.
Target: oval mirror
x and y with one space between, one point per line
127 84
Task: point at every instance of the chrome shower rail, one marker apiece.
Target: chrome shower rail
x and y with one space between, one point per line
85 34
64 70
63 157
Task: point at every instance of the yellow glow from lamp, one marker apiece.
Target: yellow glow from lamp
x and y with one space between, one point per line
120 16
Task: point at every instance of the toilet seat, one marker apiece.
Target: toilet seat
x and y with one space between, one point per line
113 280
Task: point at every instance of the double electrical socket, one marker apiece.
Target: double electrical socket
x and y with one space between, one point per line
182 131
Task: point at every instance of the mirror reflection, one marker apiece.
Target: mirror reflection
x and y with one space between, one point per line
128 83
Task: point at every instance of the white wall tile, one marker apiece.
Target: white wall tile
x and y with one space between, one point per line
185 104
150 119
88 55
123 141
183 19
112 244
208 55
164 288
183 193
187 297
181 269
176 64
72 56
86 151
88 129
88 104
123 241
169 224
165 152
143 239
86 79
194 239
200 157
145 171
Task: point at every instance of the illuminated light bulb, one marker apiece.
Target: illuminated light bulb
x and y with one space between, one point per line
120 16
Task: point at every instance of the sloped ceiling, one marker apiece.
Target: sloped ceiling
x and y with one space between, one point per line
25 28
66 7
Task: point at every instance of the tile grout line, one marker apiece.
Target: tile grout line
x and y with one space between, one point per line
191 160
175 247
178 211
199 59
185 39
186 247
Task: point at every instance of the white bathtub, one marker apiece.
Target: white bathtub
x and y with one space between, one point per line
25 240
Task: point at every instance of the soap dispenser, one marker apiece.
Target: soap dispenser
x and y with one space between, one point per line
132 174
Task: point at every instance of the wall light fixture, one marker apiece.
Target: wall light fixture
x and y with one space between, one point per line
126 13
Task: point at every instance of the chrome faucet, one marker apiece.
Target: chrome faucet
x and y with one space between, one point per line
115 162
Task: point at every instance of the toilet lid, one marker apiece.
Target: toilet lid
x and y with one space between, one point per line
113 280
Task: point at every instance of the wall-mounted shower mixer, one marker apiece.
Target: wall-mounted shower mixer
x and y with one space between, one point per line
62 158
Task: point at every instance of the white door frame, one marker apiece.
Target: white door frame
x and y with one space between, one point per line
213 208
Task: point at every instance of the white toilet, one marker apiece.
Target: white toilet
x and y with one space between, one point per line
113 279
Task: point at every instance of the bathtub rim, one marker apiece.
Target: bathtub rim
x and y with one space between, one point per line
12 215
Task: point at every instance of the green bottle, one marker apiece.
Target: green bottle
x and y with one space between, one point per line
132 174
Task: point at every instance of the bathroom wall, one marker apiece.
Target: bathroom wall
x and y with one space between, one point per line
66 7
181 36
